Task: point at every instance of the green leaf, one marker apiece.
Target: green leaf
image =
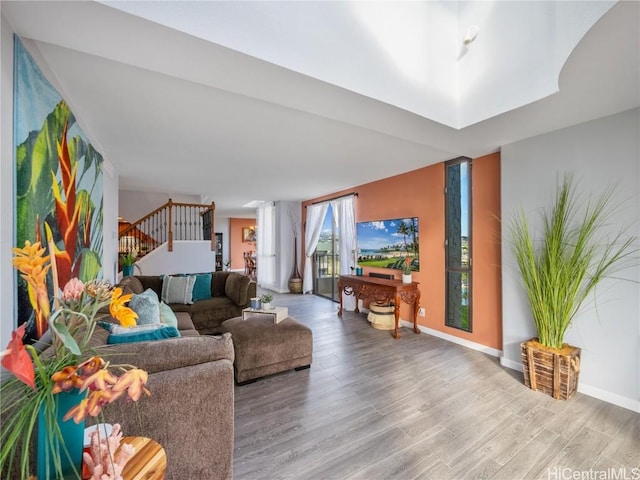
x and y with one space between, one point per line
90 265
60 328
36 158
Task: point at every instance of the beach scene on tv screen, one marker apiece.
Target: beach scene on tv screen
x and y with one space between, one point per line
388 243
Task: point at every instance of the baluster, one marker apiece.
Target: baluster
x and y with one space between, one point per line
194 218
170 239
213 229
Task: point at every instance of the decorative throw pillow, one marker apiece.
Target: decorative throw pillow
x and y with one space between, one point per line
167 316
147 306
202 287
177 289
118 329
145 333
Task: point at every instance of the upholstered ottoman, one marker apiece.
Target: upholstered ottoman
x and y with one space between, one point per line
263 347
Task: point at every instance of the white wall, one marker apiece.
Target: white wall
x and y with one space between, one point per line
187 257
602 153
530 61
133 205
284 242
110 222
7 207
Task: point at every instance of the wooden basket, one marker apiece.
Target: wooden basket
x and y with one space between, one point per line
550 370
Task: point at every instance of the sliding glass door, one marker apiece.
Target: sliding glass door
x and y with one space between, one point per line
327 260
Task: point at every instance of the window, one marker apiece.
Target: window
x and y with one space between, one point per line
458 243
265 245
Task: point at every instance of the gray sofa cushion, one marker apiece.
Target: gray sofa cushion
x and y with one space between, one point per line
154 282
184 322
263 347
169 354
131 285
208 315
236 288
218 282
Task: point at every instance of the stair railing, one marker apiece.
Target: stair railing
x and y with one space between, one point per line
169 222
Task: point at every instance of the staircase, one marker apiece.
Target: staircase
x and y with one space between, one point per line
169 222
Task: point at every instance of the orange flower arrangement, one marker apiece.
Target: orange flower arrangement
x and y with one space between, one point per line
407 266
72 322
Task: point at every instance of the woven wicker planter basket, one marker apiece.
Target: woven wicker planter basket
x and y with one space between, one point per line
549 370
382 317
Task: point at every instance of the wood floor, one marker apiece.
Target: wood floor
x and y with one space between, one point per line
371 407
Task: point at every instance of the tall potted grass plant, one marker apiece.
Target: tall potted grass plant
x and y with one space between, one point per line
560 267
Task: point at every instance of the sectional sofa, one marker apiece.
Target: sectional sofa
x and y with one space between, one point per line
228 294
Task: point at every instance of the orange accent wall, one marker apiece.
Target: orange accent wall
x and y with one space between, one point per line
487 259
236 246
420 193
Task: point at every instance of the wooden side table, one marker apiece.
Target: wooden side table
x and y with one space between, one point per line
149 461
278 313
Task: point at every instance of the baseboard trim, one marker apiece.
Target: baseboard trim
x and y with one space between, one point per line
505 362
460 341
619 400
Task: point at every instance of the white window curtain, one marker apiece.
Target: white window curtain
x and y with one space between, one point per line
345 219
265 245
315 218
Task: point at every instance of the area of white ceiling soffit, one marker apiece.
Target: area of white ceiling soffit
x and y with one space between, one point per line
412 55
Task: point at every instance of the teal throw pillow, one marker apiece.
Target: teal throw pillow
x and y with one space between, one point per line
117 328
178 289
144 334
202 287
167 316
147 306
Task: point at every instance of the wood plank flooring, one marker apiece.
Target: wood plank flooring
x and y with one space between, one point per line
371 407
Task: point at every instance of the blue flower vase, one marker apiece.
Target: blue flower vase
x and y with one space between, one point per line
72 433
127 270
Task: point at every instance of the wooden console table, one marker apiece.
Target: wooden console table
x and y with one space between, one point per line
382 291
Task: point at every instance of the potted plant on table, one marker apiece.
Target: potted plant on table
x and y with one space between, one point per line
559 270
127 260
57 389
406 271
266 299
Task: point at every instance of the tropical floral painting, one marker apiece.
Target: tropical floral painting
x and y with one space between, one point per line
58 185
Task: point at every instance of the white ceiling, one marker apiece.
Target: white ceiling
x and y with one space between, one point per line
328 106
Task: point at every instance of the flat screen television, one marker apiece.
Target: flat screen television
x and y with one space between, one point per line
387 243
